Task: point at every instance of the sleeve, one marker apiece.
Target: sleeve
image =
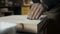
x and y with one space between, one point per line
36 1
49 3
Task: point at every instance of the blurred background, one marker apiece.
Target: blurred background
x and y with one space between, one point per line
14 7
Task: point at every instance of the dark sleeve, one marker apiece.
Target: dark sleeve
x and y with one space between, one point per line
36 1
51 3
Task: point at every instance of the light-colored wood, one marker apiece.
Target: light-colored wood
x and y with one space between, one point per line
27 25
7 28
